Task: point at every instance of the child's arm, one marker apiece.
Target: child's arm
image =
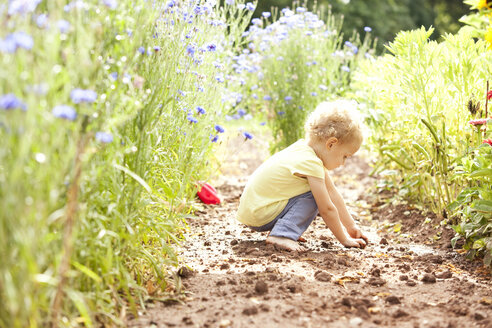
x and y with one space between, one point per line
329 213
347 220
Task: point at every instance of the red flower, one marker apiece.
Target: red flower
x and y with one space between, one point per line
489 95
480 121
487 141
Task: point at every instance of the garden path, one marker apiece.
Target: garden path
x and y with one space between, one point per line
407 276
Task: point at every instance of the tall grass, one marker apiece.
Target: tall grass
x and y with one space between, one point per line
93 193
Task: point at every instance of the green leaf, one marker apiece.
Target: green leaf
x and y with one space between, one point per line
483 205
88 272
479 244
78 300
134 176
481 173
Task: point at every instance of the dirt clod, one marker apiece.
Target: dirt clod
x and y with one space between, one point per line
429 278
392 300
403 277
185 272
251 310
346 301
383 241
479 316
322 276
261 287
376 272
374 281
399 313
444 275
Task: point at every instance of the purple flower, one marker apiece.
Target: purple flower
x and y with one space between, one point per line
190 50
157 48
288 98
229 2
104 137
262 123
16 40
141 50
42 20
113 76
111 4
349 44
266 14
211 47
250 6
200 110
22 6
10 101
301 9
241 112
63 26
267 98
191 119
367 29
220 78
345 68
80 95
314 94
214 138
247 135
219 129
65 111
256 21
281 113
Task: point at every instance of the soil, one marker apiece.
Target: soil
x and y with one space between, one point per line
408 276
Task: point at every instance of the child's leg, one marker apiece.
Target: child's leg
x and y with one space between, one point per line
293 221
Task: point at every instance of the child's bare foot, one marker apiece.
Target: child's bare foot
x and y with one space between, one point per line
285 243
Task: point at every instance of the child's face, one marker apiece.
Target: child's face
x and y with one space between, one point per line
336 152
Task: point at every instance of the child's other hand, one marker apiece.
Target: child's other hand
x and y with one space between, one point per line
355 232
354 242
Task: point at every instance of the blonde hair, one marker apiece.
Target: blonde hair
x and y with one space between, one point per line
338 119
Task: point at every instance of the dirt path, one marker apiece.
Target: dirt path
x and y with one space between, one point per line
406 277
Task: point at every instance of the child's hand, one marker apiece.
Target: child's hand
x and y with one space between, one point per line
355 232
352 242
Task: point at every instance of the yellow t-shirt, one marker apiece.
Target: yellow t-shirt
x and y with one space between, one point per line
273 183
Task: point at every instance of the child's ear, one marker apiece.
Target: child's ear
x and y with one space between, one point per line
332 141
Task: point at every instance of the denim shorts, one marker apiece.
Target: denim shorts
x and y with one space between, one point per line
294 219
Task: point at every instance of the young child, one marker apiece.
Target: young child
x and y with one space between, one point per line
288 190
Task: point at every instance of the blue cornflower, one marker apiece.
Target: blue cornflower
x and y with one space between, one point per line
42 20
301 9
266 14
355 50
104 137
190 49
219 129
281 113
314 94
214 138
157 48
323 87
141 50
10 101
171 4
288 98
16 40
367 29
345 68
262 123
241 6
211 47
191 119
111 4
63 26
229 2
113 76
220 78
349 44
267 98
64 111
250 6
256 21
247 135
22 6
241 112
200 110
80 95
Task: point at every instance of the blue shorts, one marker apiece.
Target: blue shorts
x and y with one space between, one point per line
294 219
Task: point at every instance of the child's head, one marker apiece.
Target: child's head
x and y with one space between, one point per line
336 128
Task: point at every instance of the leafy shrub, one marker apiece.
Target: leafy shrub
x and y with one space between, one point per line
291 64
